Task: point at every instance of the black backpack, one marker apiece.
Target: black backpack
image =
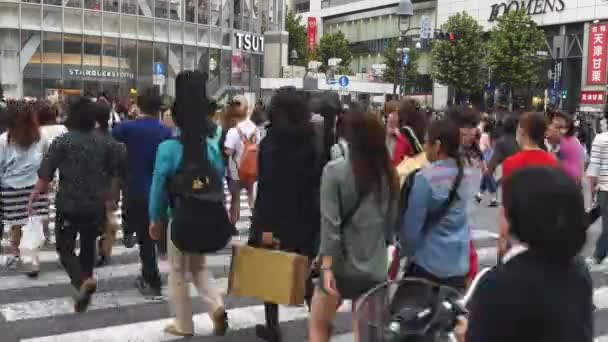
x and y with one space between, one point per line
200 222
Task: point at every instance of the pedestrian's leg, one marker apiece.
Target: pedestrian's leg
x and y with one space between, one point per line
88 235
65 236
324 309
492 188
179 297
203 280
601 246
235 201
147 249
250 196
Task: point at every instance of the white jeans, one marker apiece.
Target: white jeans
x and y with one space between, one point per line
186 267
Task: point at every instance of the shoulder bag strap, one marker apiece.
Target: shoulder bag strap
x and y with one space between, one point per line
411 137
346 218
437 215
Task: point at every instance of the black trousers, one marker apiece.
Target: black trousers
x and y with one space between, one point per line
138 221
67 228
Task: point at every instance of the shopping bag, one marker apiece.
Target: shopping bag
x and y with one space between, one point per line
32 236
269 275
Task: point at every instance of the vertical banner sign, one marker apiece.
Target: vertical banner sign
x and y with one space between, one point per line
596 68
312 33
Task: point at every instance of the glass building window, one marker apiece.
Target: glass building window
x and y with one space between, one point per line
111 5
216 37
10 77
52 47
94 5
213 65
128 66
73 3
190 34
110 66
9 14
111 24
175 31
31 53
128 26
161 55
31 1
226 13
72 20
203 35
92 22
246 10
237 14
175 67
51 18
129 7
190 62
225 68
72 63
227 39
53 2
203 11
146 28
161 30
190 10
91 65
215 14
30 17
161 9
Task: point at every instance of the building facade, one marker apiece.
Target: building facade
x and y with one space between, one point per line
54 47
575 47
370 26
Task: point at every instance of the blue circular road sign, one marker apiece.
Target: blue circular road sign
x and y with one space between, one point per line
344 81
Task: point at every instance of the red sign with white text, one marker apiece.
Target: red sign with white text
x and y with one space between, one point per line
312 33
596 65
593 97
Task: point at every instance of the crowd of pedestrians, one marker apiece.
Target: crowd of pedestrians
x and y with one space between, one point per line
339 186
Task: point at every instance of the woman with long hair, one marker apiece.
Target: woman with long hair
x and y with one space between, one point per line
190 115
358 203
435 226
571 152
22 148
413 124
289 177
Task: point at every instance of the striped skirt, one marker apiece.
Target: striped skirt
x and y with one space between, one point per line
13 205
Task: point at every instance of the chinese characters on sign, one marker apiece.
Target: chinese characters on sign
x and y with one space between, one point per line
593 97
596 69
312 33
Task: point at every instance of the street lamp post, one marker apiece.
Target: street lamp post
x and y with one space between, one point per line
405 12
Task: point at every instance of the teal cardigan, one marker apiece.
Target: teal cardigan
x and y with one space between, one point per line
168 158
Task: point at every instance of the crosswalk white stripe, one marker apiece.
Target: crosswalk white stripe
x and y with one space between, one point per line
152 331
101 300
107 272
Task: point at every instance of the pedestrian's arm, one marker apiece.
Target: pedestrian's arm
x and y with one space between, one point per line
232 138
411 230
593 170
159 198
330 215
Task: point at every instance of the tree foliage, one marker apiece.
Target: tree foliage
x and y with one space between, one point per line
458 63
393 61
334 45
298 36
512 41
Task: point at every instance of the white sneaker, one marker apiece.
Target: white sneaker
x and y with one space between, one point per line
591 261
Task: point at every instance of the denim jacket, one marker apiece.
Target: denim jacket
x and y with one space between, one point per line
443 248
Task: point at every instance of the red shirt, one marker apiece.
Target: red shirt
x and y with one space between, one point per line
527 158
402 149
